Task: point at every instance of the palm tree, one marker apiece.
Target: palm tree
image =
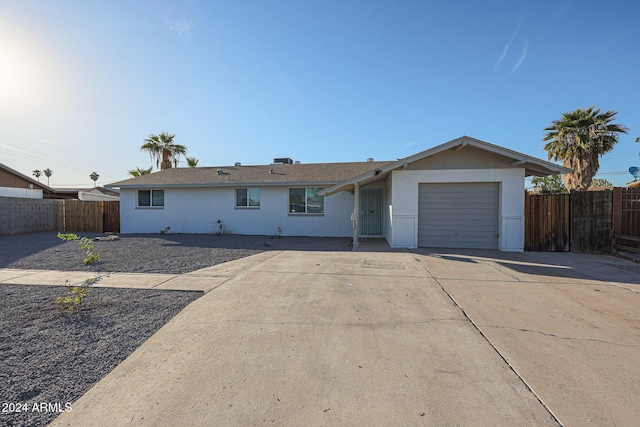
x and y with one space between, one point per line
37 174
192 162
579 139
138 171
162 149
48 172
94 177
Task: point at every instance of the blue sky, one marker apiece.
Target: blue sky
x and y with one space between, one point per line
82 83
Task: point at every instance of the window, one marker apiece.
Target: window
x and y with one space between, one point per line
247 197
305 200
150 198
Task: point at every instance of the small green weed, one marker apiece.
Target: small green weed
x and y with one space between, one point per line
76 295
86 244
165 230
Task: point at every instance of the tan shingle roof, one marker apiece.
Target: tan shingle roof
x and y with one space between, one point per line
283 174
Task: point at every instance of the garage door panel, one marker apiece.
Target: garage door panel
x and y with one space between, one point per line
458 244
461 232
458 215
445 193
444 219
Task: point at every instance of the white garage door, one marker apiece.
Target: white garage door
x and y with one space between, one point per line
458 215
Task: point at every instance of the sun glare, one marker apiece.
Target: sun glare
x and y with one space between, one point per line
22 72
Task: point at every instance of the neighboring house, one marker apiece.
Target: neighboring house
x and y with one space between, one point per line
99 194
15 184
88 194
465 193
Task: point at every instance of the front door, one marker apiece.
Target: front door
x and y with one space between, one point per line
371 212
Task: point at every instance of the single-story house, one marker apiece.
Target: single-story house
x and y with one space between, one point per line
16 184
465 193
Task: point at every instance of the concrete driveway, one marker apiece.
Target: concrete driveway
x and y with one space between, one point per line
390 338
568 324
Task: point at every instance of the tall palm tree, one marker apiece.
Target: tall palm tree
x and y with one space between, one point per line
94 177
37 174
48 172
138 171
163 150
192 162
579 139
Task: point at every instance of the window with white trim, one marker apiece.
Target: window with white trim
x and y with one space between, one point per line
150 198
306 200
247 197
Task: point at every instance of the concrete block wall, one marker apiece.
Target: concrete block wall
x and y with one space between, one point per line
18 215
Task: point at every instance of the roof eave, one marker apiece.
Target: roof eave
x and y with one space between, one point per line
226 184
531 164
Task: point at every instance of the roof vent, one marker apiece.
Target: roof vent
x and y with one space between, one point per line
270 171
370 159
219 171
238 164
282 161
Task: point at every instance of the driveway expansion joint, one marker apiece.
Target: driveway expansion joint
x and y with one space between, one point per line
399 323
504 359
558 336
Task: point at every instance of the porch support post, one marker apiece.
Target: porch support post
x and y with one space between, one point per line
355 216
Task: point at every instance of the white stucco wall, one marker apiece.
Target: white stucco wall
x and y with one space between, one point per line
197 210
24 193
404 199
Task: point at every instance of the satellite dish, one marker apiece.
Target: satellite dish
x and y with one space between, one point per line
633 170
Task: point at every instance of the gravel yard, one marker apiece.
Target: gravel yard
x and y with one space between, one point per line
149 253
53 357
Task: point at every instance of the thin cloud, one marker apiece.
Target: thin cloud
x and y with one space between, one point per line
48 141
504 53
14 148
523 56
408 144
183 26
508 45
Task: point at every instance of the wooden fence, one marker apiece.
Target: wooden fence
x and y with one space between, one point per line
583 221
546 222
111 217
591 226
88 216
626 219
